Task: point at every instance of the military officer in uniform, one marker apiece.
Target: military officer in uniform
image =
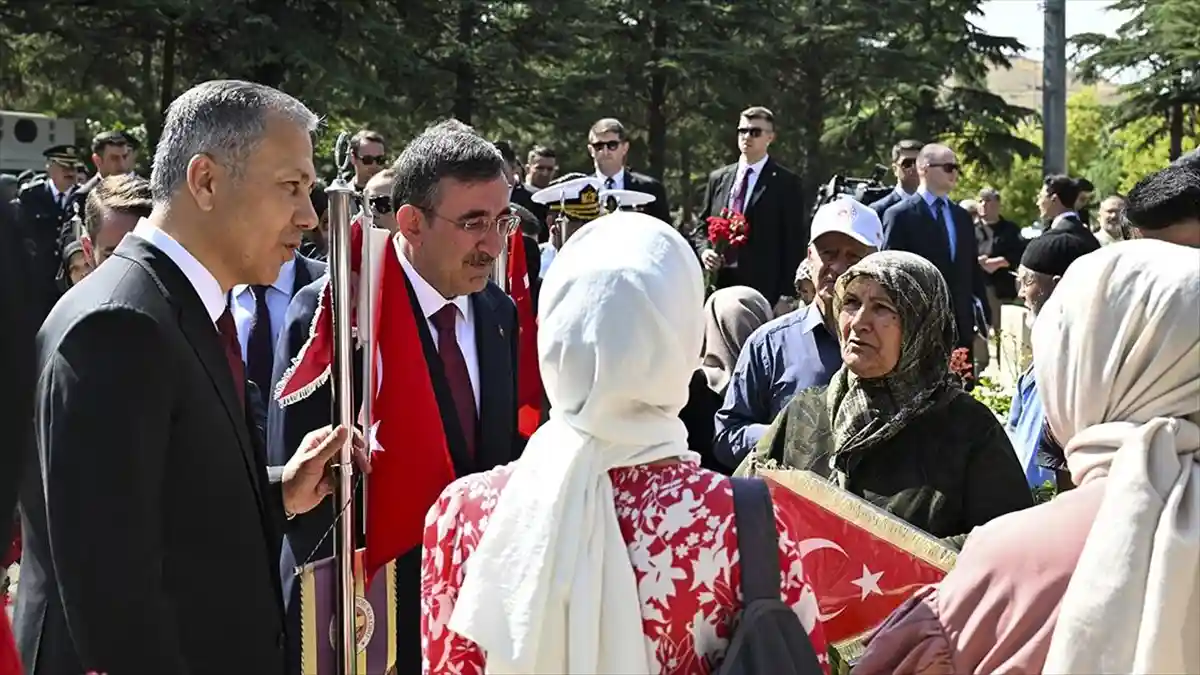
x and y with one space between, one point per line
42 213
572 201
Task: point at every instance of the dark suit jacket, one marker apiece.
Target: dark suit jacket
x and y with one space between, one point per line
881 206
523 195
16 362
496 340
1074 225
262 401
910 226
1009 245
659 208
42 222
154 550
778 229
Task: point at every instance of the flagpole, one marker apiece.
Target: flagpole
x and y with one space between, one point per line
500 268
341 197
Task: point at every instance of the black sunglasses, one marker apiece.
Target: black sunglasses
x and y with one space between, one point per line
908 162
949 167
752 132
605 145
381 204
371 160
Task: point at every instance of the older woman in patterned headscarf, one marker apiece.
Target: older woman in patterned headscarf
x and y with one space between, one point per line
894 427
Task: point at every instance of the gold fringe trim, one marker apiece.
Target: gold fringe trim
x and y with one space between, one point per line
867 516
321 379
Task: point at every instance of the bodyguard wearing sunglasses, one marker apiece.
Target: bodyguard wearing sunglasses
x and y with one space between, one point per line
769 196
904 166
932 226
608 145
368 156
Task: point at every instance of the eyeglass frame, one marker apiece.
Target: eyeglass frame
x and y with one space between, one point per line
465 226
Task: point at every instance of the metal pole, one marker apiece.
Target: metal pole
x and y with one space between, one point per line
341 197
1054 88
500 269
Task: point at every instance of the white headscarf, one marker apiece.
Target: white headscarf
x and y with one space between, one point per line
551 589
1116 352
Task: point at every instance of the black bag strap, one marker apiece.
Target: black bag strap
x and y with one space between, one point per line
758 541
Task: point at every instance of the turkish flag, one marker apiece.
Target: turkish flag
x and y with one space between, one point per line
529 378
410 460
10 660
862 561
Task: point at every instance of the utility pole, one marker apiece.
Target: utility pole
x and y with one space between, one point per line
1054 88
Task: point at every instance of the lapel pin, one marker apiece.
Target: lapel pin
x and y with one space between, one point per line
501 331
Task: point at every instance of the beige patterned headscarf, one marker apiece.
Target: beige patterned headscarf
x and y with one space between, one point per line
1117 359
730 316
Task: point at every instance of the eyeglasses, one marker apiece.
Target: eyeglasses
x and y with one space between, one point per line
752 132
605 145
948 167
505 225
908 162
381 204
372 160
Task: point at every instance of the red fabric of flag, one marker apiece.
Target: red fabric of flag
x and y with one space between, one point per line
410 461
530 394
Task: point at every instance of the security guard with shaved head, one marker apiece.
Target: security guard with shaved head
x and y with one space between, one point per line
42 207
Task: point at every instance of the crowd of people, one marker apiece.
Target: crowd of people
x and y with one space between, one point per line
166 494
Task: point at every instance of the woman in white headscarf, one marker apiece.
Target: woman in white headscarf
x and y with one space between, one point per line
606 548
1104 578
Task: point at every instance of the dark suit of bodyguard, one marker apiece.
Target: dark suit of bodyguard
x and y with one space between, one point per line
43 213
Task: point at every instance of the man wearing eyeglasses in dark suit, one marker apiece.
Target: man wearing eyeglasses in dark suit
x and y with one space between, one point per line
450 215
904 166
769 196
608 144
932 226
367 155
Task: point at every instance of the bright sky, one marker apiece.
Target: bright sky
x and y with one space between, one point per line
1022 19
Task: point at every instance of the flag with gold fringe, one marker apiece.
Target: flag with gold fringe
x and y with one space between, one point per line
863 562
374 618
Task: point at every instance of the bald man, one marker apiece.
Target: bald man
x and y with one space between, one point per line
932 226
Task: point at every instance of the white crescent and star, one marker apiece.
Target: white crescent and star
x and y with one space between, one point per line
868 583
817 544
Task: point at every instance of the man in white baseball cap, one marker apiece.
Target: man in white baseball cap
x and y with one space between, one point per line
799 349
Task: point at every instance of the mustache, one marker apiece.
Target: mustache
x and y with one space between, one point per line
481 259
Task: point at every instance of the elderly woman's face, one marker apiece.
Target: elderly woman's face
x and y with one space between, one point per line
869 328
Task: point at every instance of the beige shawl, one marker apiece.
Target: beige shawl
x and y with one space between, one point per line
730 316
1117 360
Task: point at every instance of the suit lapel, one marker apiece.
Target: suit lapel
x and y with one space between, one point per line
760 185
495 382
724 189
202 335
455 441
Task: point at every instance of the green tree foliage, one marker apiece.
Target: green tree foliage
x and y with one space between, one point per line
1160 48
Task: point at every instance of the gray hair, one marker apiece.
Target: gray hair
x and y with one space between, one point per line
225 119
448 149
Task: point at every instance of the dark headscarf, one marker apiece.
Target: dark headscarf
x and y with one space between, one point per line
867 412
854 414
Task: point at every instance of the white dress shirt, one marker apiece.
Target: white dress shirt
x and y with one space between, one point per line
464 326
202 280
244 305
618 179
737 179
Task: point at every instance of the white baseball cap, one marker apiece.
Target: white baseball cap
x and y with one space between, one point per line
851 218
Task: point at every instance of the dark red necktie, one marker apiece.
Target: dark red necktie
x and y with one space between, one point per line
456 372
233 353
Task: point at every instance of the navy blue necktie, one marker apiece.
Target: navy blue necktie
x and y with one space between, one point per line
939 214
260 349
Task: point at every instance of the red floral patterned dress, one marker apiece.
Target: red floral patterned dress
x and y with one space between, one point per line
677 520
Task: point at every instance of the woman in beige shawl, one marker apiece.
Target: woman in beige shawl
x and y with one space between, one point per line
1105 578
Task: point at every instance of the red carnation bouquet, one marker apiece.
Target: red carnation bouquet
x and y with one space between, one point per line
725 231
960 365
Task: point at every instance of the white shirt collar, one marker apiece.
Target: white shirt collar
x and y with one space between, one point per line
283 283
54 191
202 280
757 166
1063 216
427 296
618 177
